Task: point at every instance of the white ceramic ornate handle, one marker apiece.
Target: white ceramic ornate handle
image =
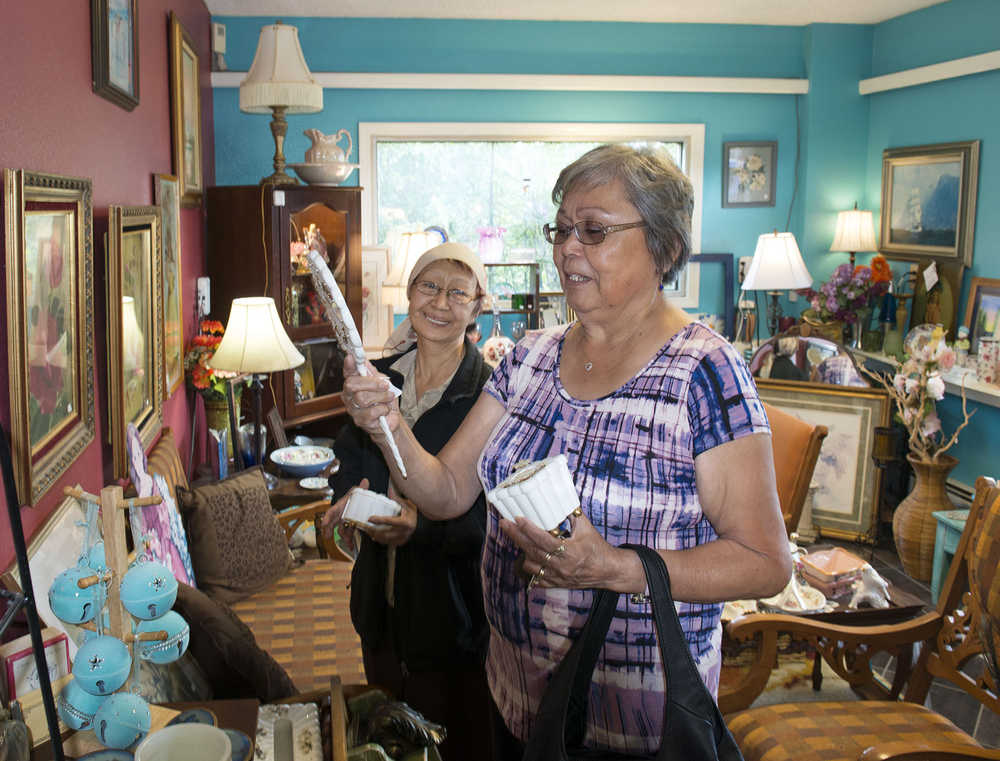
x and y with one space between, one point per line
350 143
346 332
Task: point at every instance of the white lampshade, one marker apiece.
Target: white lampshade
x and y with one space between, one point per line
255 341
410 247
855 231
777 265
279 76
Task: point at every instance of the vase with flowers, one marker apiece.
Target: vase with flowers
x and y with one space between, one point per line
846 299
208 382
915 389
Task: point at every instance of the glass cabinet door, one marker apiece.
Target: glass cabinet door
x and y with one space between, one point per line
316 226
323 229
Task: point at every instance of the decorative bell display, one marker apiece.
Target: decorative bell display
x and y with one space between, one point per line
148 590
102 665
167 650
123 719
77 707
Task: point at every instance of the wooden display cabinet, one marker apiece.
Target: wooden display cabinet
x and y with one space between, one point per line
251 230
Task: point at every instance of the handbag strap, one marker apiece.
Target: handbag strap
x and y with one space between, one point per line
693 727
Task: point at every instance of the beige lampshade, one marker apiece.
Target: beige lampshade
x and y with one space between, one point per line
279 76
410 247
777 265
855 231
255 341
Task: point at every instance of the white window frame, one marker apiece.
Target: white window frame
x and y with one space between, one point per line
692 136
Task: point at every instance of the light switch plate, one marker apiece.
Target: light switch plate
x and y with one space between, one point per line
204 296
744 265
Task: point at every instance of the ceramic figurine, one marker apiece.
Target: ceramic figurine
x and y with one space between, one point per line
871 590
962 347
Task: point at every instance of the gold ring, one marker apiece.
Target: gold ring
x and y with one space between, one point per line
548 557
560 549
532 581
540 573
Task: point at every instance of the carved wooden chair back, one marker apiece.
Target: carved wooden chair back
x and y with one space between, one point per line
958 643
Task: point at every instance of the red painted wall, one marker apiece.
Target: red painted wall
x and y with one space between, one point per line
51 121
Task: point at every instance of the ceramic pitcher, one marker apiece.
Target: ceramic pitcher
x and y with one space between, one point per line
324 148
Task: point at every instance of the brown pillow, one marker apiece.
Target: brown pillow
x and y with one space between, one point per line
227 652
237 547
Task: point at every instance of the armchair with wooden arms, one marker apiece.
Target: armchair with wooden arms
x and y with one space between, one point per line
795 445
959 642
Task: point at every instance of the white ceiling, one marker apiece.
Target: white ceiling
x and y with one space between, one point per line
775 12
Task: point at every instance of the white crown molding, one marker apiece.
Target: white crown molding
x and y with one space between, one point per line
921 75
560 82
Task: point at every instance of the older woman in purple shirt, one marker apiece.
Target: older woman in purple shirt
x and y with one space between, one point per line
666 439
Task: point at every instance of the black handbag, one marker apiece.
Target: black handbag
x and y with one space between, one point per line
693 728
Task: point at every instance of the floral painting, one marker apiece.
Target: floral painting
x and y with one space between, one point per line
749 173
846 483
49 317
168 199
137 359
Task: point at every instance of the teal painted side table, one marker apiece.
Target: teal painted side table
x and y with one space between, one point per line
950 525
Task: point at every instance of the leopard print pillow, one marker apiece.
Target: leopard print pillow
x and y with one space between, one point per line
237 547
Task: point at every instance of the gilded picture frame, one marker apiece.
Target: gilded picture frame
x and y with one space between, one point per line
847 483
185 113
982 313
48 234
114 50
135 327
166 195
929 201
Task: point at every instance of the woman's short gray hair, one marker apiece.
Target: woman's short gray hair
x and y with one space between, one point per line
663 196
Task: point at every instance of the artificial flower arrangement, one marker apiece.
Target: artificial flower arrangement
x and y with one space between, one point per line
848 291
207 381
917 386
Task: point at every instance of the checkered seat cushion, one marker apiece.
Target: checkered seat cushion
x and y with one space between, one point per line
304 622
837 731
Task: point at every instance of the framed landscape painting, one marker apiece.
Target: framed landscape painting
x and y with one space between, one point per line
114 41
50 330
982 313
166 196
847 483
185 113
135 327
929 201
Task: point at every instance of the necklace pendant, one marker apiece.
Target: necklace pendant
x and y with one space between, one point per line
588 366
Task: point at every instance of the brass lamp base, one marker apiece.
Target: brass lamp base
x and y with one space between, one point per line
279 128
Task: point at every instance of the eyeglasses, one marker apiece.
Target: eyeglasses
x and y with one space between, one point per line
455 295
587 231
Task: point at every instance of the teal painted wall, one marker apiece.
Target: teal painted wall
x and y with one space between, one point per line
841 133
244 145
967 108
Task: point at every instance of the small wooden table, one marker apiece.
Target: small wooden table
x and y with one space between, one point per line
288 493
950 525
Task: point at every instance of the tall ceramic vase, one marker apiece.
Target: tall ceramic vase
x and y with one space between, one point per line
913 526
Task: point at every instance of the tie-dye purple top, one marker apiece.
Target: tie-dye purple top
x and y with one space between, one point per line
632 456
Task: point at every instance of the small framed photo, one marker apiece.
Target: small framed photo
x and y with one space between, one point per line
847 483
982 313
185 113
929 201
114 50
749 171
